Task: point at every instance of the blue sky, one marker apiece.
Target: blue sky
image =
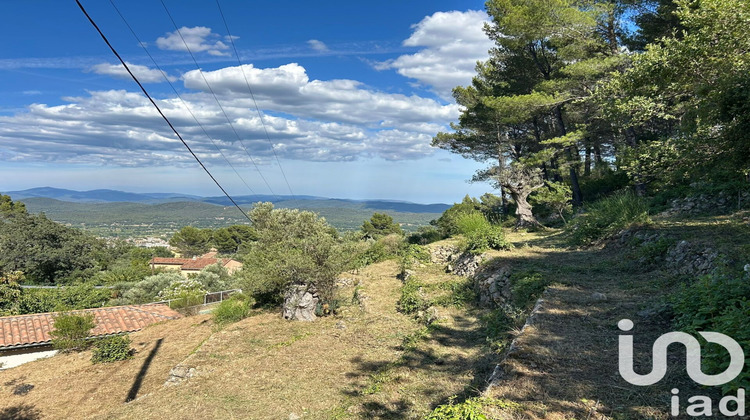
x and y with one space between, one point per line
350 95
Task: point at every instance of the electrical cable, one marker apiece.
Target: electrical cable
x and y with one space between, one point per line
166 79
252 95
159 109
216 98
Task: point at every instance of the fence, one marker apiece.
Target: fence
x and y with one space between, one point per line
208 298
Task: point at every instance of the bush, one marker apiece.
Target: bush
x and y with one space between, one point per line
71 330
424 235
234 309
112 349
148 289
479 234
411 300
609 216
717 302
293 247
499 325
410 254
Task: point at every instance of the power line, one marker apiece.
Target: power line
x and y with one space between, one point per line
216 98
166 79
135 79
252 95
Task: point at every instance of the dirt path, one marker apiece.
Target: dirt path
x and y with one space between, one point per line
565 364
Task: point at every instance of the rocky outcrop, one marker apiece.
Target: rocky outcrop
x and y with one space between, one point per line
493 287
688 259
300 303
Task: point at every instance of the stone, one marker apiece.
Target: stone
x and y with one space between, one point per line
341 325
294 416
598 297
300 303
179 374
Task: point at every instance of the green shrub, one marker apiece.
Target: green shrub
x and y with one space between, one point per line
609 216
71 330
471 409
479 234
112 349
410 254
234 309
717 302
411 300
424 235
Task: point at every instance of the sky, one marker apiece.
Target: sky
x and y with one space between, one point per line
327 98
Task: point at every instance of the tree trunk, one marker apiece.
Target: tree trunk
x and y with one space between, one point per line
526 218
587 162
632 140
574 185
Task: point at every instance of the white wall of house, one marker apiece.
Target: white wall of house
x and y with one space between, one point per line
13 358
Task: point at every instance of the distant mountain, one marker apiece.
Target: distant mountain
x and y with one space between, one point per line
100 196
303 201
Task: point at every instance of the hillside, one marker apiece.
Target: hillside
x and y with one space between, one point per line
123 219
372 361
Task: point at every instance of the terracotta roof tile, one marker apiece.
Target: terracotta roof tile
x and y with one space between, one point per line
170 261
34 329
199 263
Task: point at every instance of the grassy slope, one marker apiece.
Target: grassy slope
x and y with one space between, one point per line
354 366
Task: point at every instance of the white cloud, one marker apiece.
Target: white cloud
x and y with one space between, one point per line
143 73
317 45
196 39
310 120
454 42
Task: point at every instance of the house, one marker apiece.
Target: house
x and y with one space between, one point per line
186 266
24 338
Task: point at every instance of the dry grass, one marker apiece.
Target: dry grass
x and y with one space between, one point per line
68 386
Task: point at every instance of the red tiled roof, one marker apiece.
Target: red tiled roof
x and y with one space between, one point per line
199 263
34 329
170 261
190 263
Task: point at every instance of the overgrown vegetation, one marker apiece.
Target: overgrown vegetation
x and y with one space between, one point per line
717 302
293 247
234 309
70 331
609 216
112 349
479 235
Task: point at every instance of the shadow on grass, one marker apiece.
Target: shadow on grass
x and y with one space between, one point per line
21 412
377 378
133 393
